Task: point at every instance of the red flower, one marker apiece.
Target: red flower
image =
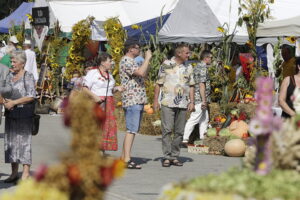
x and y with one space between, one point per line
74 175
106 174
41 172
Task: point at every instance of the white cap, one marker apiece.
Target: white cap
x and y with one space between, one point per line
27 42
13 39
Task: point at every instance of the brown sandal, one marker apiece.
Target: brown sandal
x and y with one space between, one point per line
176 163
133 165
166 163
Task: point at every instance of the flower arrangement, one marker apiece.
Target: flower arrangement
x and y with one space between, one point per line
82 173
116 37
80 37
54 45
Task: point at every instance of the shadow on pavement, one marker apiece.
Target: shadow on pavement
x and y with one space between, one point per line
138 160
1 135
181 159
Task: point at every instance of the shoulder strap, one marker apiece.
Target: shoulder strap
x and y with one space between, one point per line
24 82
293 80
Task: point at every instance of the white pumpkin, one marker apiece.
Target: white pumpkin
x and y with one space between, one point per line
235 148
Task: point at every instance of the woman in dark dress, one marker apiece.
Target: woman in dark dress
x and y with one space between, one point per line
286 91
18 129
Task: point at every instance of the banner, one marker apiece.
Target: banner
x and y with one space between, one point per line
40 16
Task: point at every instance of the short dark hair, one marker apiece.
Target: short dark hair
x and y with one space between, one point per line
297 64
180 47
130 43
102 58
205 54
287 47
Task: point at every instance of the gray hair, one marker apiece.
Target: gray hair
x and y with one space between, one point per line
19 55
9 49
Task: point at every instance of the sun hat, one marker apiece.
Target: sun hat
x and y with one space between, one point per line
13 39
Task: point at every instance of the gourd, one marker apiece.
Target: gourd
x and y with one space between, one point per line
235 148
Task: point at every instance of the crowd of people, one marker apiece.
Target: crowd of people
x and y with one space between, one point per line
180 88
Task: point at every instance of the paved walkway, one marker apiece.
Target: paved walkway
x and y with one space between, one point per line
144 184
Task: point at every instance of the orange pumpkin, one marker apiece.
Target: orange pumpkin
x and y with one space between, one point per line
238 128
150 111
146 107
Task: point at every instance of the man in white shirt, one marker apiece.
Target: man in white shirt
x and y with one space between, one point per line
30 65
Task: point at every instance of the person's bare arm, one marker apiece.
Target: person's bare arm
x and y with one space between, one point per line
203 95
282 96
191 106
142 70
156 94
9 104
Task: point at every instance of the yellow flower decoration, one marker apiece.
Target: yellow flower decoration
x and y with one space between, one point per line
227 67
194 64
217 90
249 44
135 26
29 17
248 96
117 50
221 29
291 39
118 168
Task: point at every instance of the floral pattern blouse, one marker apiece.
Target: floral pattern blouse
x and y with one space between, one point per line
201 75
175 81
24 87
135 91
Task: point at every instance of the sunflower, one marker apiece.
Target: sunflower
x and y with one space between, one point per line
77 58
135 26
72 56
217 90
227 67
116 27
291 39
29 17
249 44
221 29
117 50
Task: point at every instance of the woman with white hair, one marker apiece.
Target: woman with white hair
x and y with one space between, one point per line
19 112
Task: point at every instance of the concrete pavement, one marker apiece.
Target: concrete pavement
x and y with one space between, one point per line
144 184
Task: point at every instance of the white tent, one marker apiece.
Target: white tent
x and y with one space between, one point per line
286 27
196 21
129 12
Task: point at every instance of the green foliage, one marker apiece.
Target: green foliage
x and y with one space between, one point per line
278 60
278 184
251 13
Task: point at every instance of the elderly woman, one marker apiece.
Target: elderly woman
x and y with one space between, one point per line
287 88
18 105
100 85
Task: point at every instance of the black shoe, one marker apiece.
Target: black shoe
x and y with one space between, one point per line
12 180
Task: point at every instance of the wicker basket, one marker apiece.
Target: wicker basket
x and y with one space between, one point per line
198 149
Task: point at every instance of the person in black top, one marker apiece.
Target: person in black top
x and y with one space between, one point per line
286 91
